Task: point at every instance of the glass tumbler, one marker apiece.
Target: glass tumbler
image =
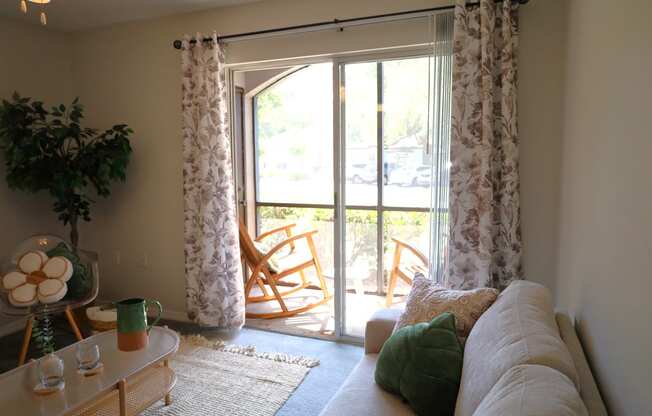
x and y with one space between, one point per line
50 370
88 355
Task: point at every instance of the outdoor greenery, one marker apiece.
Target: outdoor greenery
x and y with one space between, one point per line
405 101
294 131
360 227
393 218
291 104
49 150
293 128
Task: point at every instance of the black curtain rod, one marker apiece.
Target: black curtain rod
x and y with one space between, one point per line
177 43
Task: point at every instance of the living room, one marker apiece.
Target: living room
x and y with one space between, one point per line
343 127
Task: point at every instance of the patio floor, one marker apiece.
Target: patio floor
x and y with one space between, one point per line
320 321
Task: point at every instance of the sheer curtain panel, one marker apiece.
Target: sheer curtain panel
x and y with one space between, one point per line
214 287
485 228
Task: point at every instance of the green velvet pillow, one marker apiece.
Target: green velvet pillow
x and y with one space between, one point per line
423 364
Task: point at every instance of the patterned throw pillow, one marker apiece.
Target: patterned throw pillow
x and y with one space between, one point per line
428 300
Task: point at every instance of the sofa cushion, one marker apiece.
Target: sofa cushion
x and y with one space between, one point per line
588 387
532 390
360 396
379 328
428 300
519 328
423 364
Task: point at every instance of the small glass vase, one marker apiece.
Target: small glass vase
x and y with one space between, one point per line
87 355
50 371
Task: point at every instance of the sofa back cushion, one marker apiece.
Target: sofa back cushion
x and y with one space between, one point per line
519 328
588 387
532 390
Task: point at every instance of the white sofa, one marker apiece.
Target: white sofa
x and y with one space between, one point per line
520 359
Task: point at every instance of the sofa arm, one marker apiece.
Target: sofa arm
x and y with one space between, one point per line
379 329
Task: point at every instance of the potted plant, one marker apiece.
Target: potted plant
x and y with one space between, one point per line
49 150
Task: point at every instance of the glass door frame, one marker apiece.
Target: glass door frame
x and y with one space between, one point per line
339 175
339 163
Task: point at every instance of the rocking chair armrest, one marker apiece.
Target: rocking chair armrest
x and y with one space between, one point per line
274 231
402 244
307 235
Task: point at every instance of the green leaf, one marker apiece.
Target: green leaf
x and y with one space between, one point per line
50 151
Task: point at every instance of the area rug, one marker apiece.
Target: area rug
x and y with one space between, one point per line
214 378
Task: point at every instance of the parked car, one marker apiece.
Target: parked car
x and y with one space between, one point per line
361 173
410 176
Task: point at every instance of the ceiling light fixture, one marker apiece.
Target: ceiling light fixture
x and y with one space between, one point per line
44 18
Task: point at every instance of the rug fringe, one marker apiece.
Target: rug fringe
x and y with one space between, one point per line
250 350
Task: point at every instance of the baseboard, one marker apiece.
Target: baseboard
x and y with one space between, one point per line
168 314
19 324
174 315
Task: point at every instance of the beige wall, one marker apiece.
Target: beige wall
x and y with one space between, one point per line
540 96
36 63
605 256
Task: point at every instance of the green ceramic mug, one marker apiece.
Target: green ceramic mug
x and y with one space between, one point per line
133 331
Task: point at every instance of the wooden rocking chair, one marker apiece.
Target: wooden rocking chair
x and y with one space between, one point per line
263 275
403 273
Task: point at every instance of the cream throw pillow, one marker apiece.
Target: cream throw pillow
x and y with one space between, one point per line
263 248
428 300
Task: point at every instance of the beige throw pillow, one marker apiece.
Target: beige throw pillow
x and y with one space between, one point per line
263 248
428 300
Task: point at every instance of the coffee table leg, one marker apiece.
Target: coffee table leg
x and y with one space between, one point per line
122 393
168 399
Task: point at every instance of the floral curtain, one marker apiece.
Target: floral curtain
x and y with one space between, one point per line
485 237
214 287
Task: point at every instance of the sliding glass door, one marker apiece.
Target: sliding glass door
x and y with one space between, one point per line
346 147
386 174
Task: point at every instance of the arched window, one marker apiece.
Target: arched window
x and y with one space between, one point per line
293 131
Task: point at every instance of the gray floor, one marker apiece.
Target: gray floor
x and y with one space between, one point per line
336 359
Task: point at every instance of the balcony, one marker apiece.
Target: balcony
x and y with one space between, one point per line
365 289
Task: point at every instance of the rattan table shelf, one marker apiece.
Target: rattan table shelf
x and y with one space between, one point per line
129 383
141 391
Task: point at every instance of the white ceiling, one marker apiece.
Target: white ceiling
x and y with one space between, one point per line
73 15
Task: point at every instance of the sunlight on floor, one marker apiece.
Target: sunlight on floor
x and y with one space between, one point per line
320 321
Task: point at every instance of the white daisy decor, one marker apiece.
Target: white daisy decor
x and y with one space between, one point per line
38 279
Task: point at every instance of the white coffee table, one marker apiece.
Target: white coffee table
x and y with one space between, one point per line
129 383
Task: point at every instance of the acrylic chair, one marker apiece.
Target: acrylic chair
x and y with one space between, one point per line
65 306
